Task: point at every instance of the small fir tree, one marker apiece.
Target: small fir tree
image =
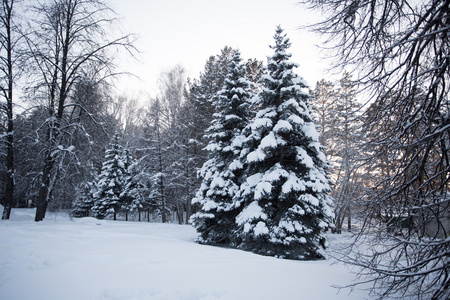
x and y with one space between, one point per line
84 202
111 181
135 189
284 203
221 174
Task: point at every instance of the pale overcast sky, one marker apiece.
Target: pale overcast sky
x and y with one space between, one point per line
187 32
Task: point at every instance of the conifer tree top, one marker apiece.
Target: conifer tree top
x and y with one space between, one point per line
281 83
282 42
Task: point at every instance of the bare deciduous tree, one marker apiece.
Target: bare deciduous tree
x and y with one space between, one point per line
155 147
401 51
9 39
69 42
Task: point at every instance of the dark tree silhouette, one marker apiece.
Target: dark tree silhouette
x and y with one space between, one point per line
401 52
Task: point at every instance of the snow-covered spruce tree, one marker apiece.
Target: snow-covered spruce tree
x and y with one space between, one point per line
221 174
284 202
130 184
135 188
111 181
84 202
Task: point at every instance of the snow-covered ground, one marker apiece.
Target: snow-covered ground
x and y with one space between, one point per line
86 259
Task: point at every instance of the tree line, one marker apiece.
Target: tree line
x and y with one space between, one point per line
166 140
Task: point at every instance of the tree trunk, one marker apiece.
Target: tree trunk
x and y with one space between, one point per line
188 211
8 43
44 190
9 192
163 213
46 186
349 219
180 213
339 221
41 209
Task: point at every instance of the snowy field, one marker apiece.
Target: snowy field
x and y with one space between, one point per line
84 259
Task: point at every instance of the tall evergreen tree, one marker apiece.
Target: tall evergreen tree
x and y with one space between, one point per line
203 92
111 181
221 173
284 200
